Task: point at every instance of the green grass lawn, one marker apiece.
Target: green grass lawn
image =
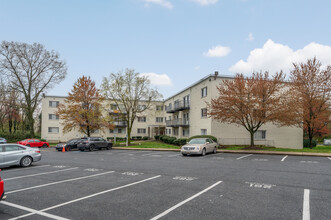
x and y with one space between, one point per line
317 149
150 144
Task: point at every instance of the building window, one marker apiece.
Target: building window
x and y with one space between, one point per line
186 132
186 101
53 130
203 131
204 92
141 107
159 119
169 131
142 119
203 113
260 135
159 108
54 104
175 131
113 107
53 117
95 131
141 131
116 131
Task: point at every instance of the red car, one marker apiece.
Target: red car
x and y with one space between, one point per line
33 143
2 191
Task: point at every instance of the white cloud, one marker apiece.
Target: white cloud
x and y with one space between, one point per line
205 2
250 37
197 67
275 57
158 79
217 51
163 3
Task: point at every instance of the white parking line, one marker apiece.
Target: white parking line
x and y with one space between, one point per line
87 197
21 169
32 211
306 209
244 156
284 158
148 154
38 174
185 201
176 155
62 181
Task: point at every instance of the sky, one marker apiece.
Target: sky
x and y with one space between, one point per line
173 42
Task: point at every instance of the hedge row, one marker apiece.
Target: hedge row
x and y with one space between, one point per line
171 140
124 138
18 136
306 143
139 138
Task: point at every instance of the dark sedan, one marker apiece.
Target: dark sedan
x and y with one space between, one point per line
69 145
92 143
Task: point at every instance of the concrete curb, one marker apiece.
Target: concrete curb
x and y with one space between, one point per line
237 152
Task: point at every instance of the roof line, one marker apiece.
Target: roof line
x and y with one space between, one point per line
203 79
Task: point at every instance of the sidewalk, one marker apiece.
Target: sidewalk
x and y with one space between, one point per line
236 151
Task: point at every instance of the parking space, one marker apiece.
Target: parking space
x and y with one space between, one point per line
166 185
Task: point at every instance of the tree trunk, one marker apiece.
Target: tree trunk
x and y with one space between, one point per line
10 125
31 123
129 135
310 141
88 131
15 126
252 139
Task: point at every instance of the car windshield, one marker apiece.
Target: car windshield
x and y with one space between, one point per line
197 141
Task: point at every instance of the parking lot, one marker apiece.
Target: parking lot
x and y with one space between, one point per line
129 184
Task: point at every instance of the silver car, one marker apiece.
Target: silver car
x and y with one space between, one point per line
16 154
3 140
199 146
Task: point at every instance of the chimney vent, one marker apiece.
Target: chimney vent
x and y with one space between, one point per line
216 74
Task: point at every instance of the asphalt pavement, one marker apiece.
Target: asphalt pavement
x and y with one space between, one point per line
123 184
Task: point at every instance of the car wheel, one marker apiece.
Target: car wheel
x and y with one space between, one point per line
26 161
44 145
91 148
203 152
28 145
215 150
108 147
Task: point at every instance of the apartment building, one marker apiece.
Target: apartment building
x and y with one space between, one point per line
182 115
149 123
186 115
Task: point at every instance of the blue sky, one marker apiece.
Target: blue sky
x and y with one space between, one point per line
175 42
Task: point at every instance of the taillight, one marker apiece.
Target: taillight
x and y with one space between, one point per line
37 151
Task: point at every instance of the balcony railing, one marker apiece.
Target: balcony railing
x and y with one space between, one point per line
180 122
178 106
120 123
115 111
169 109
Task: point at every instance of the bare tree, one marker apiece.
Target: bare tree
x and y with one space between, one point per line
31 70
131 91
